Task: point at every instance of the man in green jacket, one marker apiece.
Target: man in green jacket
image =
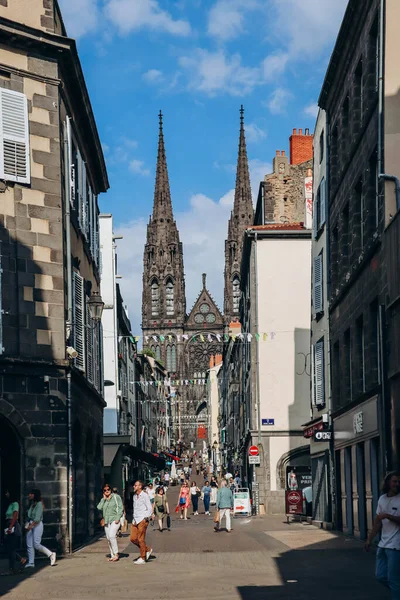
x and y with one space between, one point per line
224 505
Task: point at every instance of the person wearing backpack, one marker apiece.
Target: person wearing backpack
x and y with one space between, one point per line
112 509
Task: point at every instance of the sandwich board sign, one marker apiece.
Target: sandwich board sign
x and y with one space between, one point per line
241 502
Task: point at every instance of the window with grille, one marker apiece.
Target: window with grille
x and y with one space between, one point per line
169 298
14 137
155 299
236 293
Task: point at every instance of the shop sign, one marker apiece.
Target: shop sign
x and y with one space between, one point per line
294 502
309 431
241 502
323 436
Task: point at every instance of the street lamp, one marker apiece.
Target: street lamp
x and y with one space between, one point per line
96 306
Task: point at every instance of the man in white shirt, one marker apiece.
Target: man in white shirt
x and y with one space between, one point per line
142 513
387 522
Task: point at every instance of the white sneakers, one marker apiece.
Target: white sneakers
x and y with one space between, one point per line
53 558
149 553
139 561
29 566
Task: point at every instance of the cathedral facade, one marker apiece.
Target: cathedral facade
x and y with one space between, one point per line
190 339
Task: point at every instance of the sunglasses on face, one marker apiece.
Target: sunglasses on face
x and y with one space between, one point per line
107 490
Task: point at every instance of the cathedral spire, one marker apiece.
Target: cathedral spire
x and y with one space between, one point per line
162 207
241 217
243 201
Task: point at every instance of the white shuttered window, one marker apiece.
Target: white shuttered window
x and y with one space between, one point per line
322 200
319 380
14 134
79 321
318 292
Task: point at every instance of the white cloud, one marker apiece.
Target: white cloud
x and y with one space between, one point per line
258 169
105 147
133 15
80 16
138 167
311 27
153 76
274 65
278 101
215 72
254 133
311 110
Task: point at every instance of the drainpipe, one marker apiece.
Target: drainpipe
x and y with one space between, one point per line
257 344
67 223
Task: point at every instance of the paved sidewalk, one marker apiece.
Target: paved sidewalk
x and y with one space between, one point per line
263 558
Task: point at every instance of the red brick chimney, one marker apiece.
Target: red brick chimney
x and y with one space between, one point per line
301 146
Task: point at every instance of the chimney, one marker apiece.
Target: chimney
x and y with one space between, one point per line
301 146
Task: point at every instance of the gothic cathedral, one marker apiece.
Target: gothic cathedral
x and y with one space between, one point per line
185 354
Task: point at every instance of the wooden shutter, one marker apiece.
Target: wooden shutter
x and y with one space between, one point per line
319 383
89 346
317 284
14 134
322 202
70 166
79 321
80 180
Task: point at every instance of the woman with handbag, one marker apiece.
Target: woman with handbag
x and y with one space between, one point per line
195 494
112 509
34 530
184 500
161 508
12 532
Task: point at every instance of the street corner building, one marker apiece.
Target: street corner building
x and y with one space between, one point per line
51 172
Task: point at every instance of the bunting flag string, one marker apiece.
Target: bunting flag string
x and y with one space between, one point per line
171 382
224 338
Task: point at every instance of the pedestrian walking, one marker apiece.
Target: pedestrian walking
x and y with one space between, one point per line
206 491
232 485
123 526
238 480
161 508
166 479
150 490
184 500
13 532
224 506
214 490
387 523
142 513
112 511
34 530
194 495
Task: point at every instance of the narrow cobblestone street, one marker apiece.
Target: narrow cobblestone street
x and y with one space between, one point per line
263 557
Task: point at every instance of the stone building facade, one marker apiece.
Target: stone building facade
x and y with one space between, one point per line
357 268
190 339
51 172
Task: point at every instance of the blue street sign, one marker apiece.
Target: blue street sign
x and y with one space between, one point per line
268 421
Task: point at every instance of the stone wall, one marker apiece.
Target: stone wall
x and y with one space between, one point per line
34 13
284 192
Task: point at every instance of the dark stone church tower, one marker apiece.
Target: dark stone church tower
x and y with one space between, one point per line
164 298
242 216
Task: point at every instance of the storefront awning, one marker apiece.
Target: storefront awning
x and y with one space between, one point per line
111 445
144 457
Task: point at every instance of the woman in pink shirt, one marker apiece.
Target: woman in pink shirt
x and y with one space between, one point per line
184 500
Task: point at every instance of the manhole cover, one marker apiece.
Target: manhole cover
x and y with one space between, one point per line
207 550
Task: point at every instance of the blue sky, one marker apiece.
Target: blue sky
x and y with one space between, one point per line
197 61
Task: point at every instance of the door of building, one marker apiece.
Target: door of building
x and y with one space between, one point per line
348 491
361 491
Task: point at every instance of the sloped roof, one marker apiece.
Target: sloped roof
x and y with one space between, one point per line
205 296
